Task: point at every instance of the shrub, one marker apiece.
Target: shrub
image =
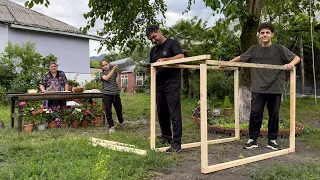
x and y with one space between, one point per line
93 85
3 98
226 102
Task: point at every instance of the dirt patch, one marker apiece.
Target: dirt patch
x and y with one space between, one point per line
189 166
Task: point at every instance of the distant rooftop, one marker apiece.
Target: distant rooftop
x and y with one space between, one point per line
19 16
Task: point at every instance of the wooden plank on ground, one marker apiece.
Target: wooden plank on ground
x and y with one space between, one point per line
117 146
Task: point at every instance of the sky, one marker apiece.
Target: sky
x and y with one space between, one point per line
71 12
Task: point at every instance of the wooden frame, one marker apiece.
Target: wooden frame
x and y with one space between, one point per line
204 62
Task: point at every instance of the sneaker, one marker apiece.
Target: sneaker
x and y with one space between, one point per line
173 150
272 144
112 130
251 144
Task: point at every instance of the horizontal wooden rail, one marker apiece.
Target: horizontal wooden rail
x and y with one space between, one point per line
182 60
198 67
242 64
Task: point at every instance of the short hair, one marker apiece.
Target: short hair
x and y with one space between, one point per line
266 25
151 29
50 63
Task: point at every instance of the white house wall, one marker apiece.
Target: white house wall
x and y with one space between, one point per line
3 36
72 52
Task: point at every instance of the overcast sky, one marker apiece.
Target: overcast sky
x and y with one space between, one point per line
71 12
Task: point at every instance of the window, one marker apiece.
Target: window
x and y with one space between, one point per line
139 79
124 80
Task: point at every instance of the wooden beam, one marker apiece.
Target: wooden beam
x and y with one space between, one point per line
203 114
96 140
292 109
153 108
198 67
197 144
236 104
182 60
241 64
247 160
117 146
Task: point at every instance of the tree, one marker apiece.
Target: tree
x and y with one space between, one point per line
124 21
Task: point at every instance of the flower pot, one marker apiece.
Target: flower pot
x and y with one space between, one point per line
97 122
42 126
227 111
85 123
52 124
28 127
75 123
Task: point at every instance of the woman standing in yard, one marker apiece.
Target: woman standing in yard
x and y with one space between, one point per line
54 80
111 93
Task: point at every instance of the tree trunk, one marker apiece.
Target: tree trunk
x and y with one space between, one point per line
302 65
247 39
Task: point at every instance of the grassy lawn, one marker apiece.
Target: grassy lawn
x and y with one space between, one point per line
68 153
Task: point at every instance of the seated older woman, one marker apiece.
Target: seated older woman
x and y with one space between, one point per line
54 80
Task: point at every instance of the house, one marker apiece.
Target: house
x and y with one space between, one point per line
19 25
129 80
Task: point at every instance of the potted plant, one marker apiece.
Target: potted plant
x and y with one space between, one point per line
29 115
65 114
88 116
77 116
53 116
227 106
41 118
98 112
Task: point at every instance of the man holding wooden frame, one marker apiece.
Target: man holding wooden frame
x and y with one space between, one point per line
267 84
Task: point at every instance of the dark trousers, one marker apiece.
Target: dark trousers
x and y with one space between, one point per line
258 103
108 100
169 111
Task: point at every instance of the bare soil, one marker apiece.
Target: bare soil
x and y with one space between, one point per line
189 163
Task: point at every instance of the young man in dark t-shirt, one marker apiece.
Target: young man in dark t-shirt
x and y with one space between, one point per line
168 85
267 84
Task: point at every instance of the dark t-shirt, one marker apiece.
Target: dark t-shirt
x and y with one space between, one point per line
110 87
166 76
269 81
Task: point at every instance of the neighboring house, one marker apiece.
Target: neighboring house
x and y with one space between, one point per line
127 78
19 25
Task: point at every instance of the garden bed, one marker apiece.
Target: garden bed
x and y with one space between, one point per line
284 133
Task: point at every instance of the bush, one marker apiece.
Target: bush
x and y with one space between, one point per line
226 102
93 85
3 95
73 83
219 84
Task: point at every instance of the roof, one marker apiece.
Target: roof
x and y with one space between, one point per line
19 16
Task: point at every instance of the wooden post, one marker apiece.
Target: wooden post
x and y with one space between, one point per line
12 111
203 116
19 117
292 109
153 108
236 105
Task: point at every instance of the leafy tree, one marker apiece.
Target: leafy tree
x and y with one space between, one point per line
24 66
124 21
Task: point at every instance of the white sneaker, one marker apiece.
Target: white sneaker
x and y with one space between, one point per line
112 130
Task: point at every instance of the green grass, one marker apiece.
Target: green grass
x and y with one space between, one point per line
68 153
310 171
